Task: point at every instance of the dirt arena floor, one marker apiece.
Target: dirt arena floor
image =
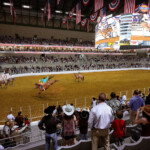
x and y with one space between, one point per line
22 95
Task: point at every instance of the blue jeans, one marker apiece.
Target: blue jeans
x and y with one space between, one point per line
48 138
83 136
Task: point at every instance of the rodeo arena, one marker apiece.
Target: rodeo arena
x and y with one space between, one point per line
75 74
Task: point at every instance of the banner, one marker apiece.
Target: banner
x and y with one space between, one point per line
114 5
64 20
78 12
85 2
93 17
71 13
83 22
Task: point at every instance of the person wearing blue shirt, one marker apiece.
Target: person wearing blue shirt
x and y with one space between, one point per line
43 81
135 103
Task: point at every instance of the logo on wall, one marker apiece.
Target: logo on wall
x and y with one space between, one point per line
143 8
83 22
114 5
93 17
85 2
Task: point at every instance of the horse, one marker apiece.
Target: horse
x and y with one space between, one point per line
45 86
11 81
78 76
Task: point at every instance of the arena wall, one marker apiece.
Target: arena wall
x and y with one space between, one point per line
44 32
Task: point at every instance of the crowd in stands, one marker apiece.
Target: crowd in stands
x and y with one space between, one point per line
103 116
41 41
56 63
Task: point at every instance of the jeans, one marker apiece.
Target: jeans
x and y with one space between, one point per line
83 136
48 137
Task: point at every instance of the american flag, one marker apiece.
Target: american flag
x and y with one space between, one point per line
58 2
49 10
129 6
78 12
88 28
101 6
148 7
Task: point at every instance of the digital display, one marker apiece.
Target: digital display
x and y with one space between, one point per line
126 29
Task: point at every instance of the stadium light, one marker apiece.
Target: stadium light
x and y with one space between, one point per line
26 6
6 4
58 11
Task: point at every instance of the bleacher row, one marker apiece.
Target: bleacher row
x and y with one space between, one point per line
34 139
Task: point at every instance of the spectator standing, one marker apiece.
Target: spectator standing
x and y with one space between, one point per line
119 127
124 98
94 102
49 124
144 121
114 103
19 119
135 103
68 125
83 125
99 121
10 117
147 102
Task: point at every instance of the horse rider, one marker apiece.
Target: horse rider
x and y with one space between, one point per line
43 81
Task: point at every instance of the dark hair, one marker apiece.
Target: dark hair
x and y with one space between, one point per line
102 97
19 113
113 95
140 92
119 114
136 92
146 116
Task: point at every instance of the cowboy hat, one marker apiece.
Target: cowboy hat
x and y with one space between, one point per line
84 114
68 109
49 109
146 109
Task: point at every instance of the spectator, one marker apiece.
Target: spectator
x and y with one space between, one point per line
147 102
83 125
119 128
99 121
19 119
114 103
49 124
144 121
94 102
68 125
10 117
26 121
135 103
124 98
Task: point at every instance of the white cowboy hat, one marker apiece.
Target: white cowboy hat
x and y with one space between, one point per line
68 109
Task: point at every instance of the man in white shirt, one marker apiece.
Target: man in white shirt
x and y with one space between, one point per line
10 117
99 121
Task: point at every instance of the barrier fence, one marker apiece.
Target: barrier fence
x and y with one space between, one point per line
36 112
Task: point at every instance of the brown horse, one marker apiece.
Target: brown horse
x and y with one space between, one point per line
45 86
78 76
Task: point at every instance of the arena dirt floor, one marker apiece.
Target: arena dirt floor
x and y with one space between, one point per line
22 95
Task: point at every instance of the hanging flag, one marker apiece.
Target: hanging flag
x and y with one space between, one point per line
64 20
11 7
45 8
114 5
88 27
78 12
101 6
137 8
129 6
85 2
148 7
93 17
83 22
67 24
58 2
49 10
97 5
71 13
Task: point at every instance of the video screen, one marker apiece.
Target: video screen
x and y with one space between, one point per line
129 29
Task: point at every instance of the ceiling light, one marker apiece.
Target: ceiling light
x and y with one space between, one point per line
26 6
7 4
66 13
42 9
58 11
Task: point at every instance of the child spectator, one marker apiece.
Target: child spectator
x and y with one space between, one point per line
119 127
83 125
